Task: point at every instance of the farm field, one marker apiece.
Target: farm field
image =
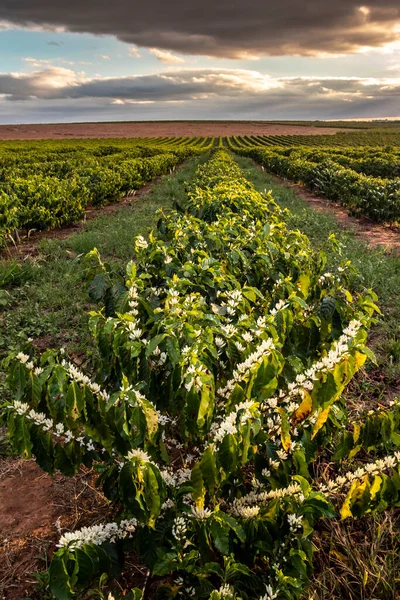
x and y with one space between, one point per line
155 129
210 369
365 178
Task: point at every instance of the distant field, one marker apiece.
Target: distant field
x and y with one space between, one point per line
157 129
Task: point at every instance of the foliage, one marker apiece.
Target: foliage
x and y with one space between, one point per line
222 363
49 185
355 182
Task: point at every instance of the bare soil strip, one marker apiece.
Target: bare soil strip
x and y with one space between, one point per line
34 510
156 129
375 234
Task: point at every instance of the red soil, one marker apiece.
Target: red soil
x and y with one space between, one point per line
155 129
363 228
34 509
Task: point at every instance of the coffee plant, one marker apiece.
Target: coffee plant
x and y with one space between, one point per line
215 420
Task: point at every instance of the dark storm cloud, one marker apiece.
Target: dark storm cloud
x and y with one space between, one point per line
226 28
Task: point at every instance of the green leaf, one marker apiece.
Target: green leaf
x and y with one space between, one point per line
173 350
165 564
61 584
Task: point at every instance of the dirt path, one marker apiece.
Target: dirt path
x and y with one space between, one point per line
34 510
156 129
363 228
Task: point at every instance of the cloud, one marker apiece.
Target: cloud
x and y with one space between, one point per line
104 57
37 62
52 82
165 56
223 28
134 52
197 93
43 63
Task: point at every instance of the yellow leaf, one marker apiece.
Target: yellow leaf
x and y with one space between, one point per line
320 421
348 296
355 450
345 511
304 409
356 432
359 360
376 486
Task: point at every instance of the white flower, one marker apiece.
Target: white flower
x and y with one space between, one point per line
269 594
138 454
282 454
98 534
179 528
294 521
140 242
201 513
219 342
23 358
248 512
226 591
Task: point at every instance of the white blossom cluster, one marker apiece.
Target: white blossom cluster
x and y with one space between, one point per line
158 359
140 243
281 305
226 591
258 499
136 454
179 528
175 477
373 468
25 360
76 375
242 369
98 534
194 377
304 382
330 277
57 429
295 522
133 326
201 513
233 299
229 424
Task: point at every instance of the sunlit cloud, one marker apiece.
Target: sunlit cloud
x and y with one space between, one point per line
166 57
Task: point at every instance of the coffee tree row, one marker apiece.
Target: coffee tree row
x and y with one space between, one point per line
51 190
215 420
322 171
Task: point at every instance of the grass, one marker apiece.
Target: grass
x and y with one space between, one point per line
357 560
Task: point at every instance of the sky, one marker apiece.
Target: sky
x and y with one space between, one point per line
96 60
